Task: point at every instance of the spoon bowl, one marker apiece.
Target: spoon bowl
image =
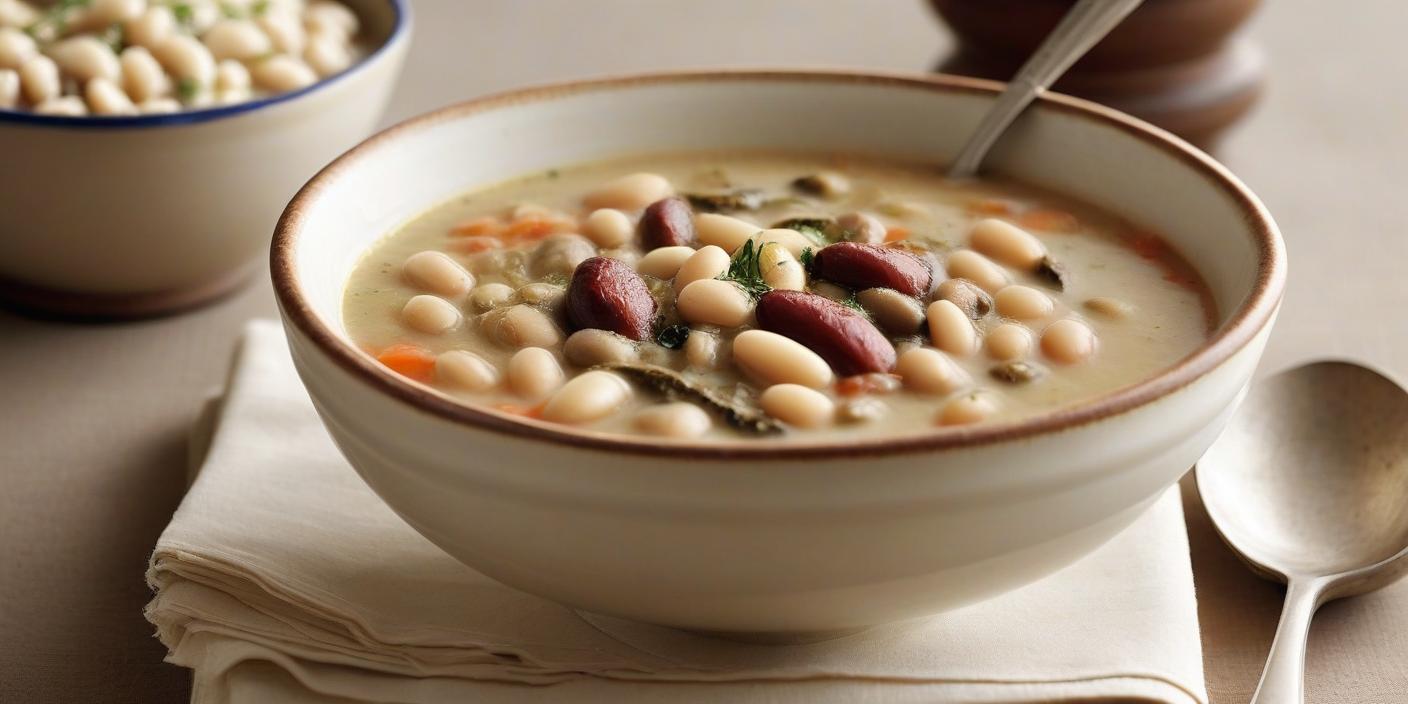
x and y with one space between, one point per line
1309 485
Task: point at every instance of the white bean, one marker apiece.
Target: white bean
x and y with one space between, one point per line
9 88
151 28
187 59
590 347
159 106
930 371
487 297
631 192
327 55
284 30
430 314
706 263
520 326
704 350
773 359
17 14
780 269
798 405
794 241
329 16
109 11
65 105
967 264
86 58
241 40
862 228
106 98
950 329
1008 341
591 396
830 291
723 231
893 311
715 302
608 227
1112 308
1023 303
1068 341
674 420
968 408
282 74
437 273
533 372
142 76
664 263
16 48
232 76
1007 243
827 184
542 293
863 410
466 370
39 77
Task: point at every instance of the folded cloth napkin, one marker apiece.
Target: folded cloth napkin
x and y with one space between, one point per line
281 571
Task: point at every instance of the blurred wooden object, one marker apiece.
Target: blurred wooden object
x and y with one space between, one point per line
1175 63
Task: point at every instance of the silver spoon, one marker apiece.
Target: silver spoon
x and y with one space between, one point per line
1083 27
1309 484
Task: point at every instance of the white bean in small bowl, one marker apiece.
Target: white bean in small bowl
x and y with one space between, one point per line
160 119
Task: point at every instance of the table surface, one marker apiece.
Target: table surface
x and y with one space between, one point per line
92 438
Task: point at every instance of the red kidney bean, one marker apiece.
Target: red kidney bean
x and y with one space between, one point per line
848 342
668 222
607 294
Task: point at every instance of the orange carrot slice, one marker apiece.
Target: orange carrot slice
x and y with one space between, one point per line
410 361
476 244
897 233
478 227
1049 220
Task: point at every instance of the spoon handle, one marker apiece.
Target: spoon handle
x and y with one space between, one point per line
1283 680
1082 27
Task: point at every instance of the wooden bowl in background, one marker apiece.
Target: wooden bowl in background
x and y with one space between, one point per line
1179 64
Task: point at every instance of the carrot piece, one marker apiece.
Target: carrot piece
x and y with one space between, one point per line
861 384
410 361
476 244
478 227
1147 246
1049 220
897 233
990 206
535 227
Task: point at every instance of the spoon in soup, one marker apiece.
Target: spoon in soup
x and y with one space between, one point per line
1082 28
1309 485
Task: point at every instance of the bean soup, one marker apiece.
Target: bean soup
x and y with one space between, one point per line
771 295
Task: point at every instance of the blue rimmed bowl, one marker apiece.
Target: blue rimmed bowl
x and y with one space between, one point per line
135 216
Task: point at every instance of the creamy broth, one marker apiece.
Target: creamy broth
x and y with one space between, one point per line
1098 305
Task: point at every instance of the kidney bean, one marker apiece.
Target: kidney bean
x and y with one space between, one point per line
862 266
609 295
848 342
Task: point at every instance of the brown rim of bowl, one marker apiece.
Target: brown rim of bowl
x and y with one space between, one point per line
1245 322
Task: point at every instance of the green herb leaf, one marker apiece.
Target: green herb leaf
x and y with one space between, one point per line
673 337
854 304
259 8
807 258
822 231
187 89
745 270
113 36
183 12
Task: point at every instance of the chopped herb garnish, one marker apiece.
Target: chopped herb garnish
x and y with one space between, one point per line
745 269
741 199
808 256
854 304
183 13
553 174
822 231
672 337
1016 372
187 89
259 8
55 19
113 37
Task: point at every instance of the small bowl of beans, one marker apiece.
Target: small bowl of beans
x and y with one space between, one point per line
150 144
729 352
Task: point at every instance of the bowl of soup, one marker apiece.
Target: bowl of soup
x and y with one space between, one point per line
150 145
729 352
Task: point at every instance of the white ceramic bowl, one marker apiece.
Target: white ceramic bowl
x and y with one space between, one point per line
750 537
129 216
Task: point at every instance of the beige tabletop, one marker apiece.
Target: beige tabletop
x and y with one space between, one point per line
92 429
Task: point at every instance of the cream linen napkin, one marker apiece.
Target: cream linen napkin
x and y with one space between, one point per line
281 572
